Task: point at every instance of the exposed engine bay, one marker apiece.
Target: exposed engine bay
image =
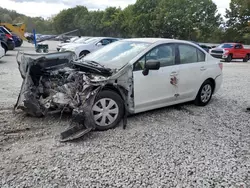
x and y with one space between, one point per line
56 84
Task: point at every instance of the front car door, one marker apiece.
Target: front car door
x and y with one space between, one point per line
237 53
190 71
156 89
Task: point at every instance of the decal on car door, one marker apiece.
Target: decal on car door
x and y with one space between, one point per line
173 81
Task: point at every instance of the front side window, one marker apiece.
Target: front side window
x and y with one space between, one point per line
165 54
238 46
105 42
190 54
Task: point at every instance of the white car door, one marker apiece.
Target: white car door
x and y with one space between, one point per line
155 90
2 51
190 71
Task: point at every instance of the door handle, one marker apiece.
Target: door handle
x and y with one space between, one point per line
203 68
173 74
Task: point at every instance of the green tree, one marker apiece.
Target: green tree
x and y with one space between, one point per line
186 19
143 18
238 16
6 18
111 21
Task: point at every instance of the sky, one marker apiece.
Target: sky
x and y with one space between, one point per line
47 8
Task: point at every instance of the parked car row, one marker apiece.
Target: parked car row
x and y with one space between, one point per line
8 40
84 45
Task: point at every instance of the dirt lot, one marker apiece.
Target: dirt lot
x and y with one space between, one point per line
184 146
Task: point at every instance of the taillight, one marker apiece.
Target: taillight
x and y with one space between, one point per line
221 65
9 36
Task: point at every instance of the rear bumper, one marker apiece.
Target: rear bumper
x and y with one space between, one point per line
218 83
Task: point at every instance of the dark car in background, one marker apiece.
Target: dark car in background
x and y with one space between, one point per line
205 47
18 41
9 38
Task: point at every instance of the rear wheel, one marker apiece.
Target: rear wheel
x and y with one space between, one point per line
229 58
205 94
246 58
108 110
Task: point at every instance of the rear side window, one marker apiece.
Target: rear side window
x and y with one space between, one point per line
190 54
201 55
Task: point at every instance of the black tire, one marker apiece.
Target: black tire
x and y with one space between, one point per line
105 95
84 53
229 58
198 100
246 58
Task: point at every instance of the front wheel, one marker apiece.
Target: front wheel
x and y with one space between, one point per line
108 110
229 58
205 94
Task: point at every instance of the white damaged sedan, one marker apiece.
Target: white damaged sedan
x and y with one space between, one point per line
2 52
126 77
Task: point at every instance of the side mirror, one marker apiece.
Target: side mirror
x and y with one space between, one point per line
151 65
99 44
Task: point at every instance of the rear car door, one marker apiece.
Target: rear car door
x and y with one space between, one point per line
155 90
190 71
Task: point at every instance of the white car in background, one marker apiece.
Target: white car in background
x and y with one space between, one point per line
78 40
88 46
2 52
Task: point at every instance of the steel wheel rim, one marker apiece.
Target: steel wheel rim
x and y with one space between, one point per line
105 112
206 93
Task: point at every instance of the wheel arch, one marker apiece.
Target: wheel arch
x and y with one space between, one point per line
117 89
84 51
212 81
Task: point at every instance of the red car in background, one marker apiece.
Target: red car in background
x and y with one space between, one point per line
230 51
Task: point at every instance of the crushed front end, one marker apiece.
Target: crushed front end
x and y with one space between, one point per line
55 83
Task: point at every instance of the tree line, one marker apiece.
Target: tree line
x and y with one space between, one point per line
196 20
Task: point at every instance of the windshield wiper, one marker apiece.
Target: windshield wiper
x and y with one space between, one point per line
95 63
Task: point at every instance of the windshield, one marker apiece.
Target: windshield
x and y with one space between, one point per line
90 40
117 54
74 39
226 46
81 40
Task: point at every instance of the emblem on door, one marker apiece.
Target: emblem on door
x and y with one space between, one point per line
173 81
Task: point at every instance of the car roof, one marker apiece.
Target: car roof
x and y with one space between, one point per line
156 40
233 43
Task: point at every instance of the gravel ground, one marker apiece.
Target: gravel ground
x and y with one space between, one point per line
181 146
